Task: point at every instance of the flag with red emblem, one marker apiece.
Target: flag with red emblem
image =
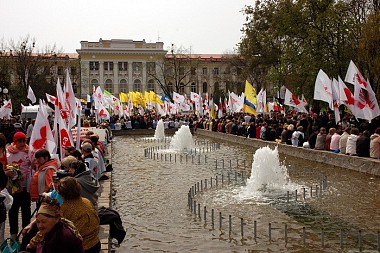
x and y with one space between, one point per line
42 136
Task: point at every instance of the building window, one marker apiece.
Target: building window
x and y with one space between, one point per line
73 71
93 85
193 87
123 66
151 85
151 67
137 66
204 87
216 71
108 86
108 66
74 87
193 71
123 85
137 85
204 71
60 71
227 70
181 88
94 65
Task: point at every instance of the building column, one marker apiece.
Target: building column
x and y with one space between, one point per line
85 79
116 78
101 74
130 80
144 81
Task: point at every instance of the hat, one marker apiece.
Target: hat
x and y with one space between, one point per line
87 147
19 135
50 210
17 125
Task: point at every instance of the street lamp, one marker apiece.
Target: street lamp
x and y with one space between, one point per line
3 93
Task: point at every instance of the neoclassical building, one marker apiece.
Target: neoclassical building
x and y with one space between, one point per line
119 65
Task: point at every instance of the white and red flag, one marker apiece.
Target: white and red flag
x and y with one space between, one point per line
345 95
178 98
60 103
353 76
6 109
70 101
65 138
366 106
50 98
42 136
336 99
322 88
292 100
261 100
31 95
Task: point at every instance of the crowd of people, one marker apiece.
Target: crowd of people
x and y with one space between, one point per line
65 191
349 136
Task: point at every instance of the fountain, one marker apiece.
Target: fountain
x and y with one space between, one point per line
268 174
182 140
159 134
280 209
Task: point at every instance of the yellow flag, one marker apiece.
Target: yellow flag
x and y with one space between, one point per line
250 100
123 97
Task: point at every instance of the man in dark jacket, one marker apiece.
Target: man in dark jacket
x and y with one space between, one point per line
363 144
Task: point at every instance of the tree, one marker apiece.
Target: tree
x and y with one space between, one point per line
29 67
287 42
176 71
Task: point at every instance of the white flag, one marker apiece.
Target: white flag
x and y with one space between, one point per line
292 100
322 89
178 98
354 76
31 95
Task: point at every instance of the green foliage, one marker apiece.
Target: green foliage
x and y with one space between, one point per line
287 42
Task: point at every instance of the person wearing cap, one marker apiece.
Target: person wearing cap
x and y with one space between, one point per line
17 152
56 234
17 128
89 185
89 158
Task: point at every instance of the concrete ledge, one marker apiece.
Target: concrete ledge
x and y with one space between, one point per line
169 131
361 164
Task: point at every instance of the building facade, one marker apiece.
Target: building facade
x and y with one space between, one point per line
118 65
127 65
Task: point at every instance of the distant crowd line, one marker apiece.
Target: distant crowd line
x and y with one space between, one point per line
349 136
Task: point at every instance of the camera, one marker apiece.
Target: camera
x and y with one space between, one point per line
60 174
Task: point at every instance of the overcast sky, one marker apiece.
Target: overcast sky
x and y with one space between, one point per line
205 26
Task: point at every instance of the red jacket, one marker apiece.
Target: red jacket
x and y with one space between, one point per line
35 188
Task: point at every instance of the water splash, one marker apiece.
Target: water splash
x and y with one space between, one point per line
160 131
268 175
182 139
